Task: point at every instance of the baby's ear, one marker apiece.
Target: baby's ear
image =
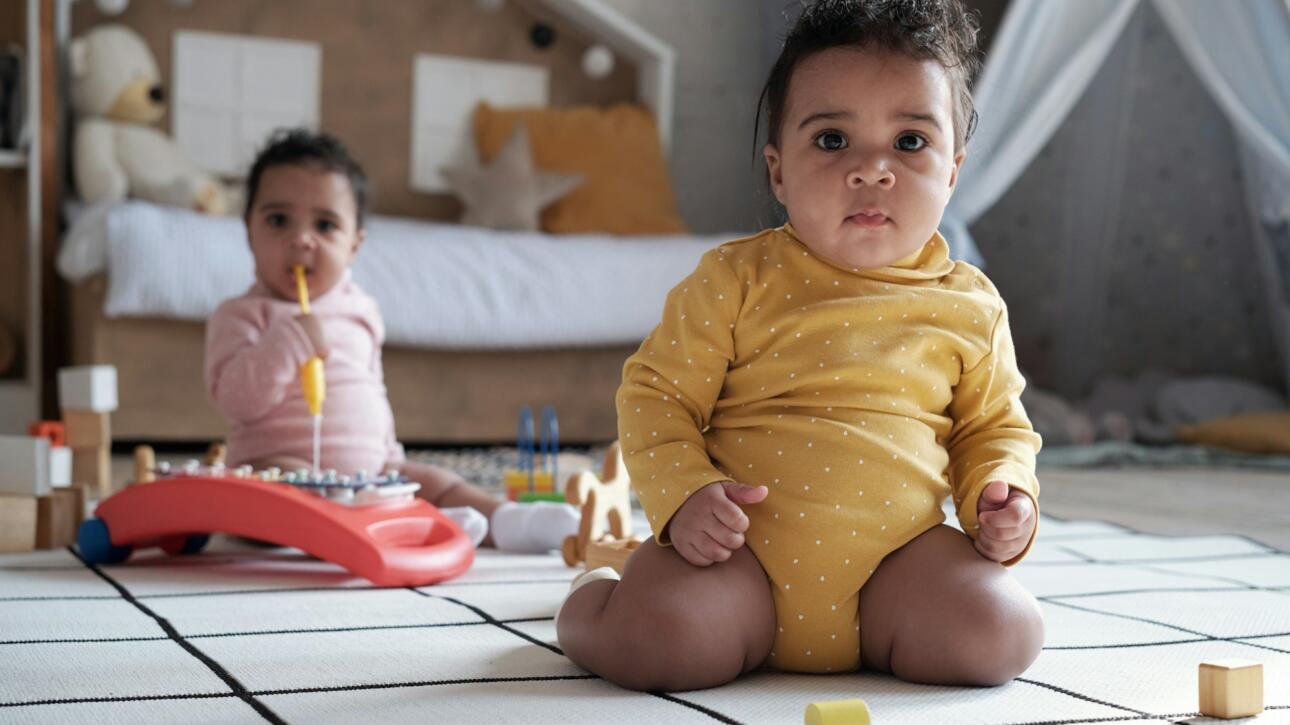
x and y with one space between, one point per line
958 164
774 171
359 235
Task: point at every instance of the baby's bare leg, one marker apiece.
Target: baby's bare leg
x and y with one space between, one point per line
446 489
669 625
937 612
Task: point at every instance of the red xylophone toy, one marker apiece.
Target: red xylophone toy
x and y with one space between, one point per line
374 526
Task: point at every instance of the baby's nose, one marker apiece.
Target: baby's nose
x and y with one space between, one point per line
870 174
303 240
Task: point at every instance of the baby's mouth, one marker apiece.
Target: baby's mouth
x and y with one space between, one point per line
865 220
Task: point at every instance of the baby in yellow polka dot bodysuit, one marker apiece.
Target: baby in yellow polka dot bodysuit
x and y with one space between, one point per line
851 376
859 398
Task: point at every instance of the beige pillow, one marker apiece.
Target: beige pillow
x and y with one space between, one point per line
1265 432
625 189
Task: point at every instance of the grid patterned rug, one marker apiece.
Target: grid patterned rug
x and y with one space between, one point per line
239 634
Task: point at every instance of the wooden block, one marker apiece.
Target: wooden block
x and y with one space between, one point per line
1231 688
93 467
610 552
17 523
60 467
87 429
24 465
837 712
58 515
87 387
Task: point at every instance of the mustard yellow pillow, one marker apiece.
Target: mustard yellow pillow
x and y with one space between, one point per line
616 149
1265 432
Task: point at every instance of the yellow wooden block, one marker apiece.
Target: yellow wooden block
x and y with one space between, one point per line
58 516
87 429
17 523
1231 688
837 712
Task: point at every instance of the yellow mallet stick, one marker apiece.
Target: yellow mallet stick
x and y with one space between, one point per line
312 381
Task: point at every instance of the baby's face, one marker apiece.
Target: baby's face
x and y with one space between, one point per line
865 162
302 214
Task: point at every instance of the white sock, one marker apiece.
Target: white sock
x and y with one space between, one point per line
535 527
471 521
587 577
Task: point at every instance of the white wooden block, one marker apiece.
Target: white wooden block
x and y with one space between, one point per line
24 465
60 466
87 387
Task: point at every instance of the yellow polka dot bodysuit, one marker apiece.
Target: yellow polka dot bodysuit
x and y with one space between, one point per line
860 398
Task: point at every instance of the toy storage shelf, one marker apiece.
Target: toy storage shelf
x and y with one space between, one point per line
20 231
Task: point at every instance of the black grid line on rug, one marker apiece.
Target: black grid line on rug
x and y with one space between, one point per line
1082 697
1173 717
233 684
1234 639
1145 564
493 621
267 632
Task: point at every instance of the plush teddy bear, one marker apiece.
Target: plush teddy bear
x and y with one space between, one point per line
116 94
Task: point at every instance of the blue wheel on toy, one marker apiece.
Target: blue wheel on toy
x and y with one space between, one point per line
96 545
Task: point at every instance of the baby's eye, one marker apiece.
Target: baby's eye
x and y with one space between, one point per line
910 142
325 226
830 141
276 220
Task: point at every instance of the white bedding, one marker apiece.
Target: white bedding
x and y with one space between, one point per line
439 285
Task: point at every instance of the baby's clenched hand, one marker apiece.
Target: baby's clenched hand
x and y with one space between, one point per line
313 330
1007 519
709 526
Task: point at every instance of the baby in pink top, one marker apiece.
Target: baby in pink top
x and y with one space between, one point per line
306 199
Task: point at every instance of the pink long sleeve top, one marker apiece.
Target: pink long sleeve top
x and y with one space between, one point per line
254 350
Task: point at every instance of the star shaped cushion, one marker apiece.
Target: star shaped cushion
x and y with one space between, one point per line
510 192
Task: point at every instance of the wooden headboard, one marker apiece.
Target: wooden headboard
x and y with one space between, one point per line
368 48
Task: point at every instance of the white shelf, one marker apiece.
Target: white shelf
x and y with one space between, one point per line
10 159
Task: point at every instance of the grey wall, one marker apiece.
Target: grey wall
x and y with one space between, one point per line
718 76
724 50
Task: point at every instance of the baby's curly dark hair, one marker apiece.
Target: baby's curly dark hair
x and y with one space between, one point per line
302 146
940 30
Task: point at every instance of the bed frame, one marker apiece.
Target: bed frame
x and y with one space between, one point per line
438 396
